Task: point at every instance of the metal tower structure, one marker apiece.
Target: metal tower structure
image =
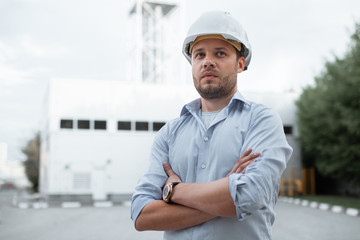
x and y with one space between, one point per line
150 20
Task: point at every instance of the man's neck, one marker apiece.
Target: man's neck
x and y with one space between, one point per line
213 105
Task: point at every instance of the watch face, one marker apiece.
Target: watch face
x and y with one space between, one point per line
166 191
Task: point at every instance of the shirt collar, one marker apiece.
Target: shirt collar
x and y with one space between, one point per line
196 104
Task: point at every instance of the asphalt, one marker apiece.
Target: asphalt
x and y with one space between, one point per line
293 221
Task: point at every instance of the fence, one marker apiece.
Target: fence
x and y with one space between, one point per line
293 185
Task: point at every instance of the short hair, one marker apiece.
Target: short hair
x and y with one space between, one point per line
241 53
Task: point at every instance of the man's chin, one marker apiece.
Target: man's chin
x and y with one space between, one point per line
209 93
209 86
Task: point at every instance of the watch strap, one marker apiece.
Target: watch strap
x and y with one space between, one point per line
175 183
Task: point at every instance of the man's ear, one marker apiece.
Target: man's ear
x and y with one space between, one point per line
241 64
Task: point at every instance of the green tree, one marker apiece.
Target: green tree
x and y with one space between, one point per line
329 119
32 152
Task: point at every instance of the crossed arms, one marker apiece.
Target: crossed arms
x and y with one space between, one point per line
194 203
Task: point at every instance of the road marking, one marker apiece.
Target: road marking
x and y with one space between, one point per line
70 205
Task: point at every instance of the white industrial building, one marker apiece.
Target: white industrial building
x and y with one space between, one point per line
97 134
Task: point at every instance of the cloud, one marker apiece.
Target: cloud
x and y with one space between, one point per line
10 75
25 49
35 49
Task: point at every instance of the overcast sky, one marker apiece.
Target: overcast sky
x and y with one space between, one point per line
42 39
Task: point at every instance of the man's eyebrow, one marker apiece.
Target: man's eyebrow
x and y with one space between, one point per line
221 48
202 49
198 50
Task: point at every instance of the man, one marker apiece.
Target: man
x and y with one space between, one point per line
196 186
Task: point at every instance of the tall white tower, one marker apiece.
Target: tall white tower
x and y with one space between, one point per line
156 28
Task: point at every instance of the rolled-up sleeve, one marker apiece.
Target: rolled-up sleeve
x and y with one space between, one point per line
149 186
259 185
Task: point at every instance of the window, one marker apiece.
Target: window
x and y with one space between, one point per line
100 125
66 123
288 129
83 124
142 126
124 125
158 125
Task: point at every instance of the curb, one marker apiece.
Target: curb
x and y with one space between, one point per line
103 204
35 205
321 206
70 204
74 204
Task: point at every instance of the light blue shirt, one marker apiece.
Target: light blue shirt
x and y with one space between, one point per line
199 154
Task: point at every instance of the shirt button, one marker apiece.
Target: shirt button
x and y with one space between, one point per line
206 139
203 166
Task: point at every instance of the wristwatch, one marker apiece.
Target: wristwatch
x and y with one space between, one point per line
168 190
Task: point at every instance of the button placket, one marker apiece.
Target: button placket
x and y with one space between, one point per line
206 143
203 157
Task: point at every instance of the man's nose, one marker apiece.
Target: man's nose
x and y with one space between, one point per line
209 62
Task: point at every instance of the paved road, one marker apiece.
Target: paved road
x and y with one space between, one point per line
293 222
296 222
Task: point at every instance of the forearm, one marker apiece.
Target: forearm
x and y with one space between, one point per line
213 198
161 216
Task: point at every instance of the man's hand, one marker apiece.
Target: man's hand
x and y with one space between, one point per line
158 215
245 160
206 199
172 177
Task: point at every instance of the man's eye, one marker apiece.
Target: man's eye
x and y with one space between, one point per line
220 53
199 55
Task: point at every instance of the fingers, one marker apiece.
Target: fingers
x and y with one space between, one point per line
246 153
168 169
246 157
172 176
254 155
243 167
244 161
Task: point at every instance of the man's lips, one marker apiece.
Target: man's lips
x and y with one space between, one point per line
208 75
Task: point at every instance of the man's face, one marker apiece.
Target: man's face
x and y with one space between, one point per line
215 67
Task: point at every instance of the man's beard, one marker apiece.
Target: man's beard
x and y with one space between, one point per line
224 87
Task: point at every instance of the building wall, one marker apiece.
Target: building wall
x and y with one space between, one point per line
102 163
106 163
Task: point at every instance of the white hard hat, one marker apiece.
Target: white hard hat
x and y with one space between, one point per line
218 23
